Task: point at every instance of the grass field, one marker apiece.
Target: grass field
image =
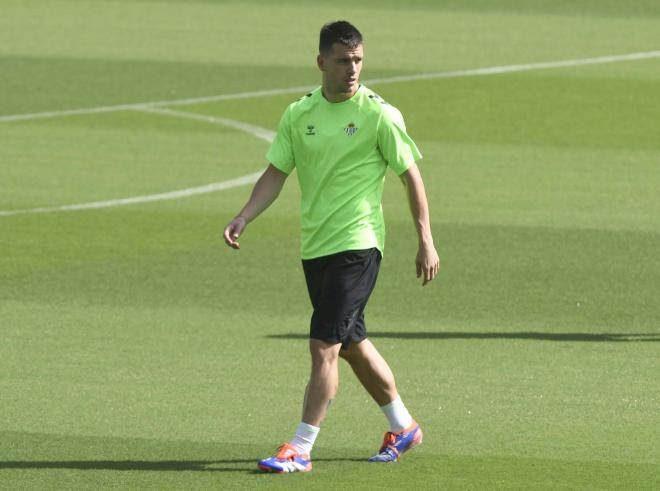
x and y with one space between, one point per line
137 351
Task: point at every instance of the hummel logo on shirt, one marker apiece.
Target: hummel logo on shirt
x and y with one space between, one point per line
310 130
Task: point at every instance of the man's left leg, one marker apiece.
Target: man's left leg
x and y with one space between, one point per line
377 378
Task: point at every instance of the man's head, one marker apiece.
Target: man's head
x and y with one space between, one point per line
340 59
341 32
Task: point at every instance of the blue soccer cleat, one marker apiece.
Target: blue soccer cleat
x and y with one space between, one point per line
287 459
394 444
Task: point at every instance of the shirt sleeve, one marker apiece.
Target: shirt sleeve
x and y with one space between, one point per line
396 147
280 153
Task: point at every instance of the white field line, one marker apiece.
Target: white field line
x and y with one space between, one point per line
256 131
264 134
379 81
183 193
144 105
599 60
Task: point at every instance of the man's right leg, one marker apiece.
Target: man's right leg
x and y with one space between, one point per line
375 375
294 456
323 381
339 286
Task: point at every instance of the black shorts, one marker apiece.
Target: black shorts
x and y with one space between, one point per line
339 286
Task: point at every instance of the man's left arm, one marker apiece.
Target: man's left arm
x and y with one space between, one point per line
427 261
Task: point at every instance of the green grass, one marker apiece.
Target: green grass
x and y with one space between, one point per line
137 351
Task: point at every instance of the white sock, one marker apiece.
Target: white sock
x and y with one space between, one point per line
304 439
397 414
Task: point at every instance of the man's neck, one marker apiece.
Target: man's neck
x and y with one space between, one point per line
335 97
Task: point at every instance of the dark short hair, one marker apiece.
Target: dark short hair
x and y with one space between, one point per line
339 31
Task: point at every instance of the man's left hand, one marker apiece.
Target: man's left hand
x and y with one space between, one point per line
428 263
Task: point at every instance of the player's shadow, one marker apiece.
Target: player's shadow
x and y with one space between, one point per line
240 465
524 335
227 465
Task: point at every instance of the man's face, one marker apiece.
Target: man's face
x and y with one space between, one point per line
341 68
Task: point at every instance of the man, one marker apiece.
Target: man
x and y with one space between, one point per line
341 138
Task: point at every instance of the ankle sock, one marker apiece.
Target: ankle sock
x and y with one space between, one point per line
303 441
397 415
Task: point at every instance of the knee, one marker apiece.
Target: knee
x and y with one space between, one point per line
323 355
323 364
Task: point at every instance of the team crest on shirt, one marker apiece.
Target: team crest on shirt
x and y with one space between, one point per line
351 129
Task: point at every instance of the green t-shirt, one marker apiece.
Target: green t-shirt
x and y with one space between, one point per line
341 152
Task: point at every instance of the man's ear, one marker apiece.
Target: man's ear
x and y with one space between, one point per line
320 62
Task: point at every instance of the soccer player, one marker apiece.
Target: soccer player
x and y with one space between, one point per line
341 138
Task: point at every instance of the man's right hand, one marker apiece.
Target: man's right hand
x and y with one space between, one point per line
233 231
266 189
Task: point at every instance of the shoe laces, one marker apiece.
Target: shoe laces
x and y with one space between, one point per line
388 441
286 452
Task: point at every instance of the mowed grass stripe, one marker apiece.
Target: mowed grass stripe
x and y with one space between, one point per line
561 280
159 463
553 123
496 70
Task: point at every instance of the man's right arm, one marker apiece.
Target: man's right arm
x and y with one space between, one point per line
265 191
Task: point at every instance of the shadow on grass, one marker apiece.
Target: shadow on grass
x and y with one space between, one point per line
132 465
227 465
530 336
90 453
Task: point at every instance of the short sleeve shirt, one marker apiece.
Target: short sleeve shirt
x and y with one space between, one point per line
341 152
